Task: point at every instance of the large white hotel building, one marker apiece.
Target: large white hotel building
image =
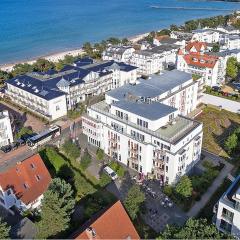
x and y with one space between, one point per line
140 126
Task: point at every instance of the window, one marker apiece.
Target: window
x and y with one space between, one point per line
38 177
32 165
228 215
57 108
25 185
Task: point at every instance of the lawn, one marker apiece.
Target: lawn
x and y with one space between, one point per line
217 126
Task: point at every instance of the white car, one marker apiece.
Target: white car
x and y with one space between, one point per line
110 173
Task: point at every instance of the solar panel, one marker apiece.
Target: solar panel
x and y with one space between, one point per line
43 92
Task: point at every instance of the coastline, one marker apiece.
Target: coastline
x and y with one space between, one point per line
55 57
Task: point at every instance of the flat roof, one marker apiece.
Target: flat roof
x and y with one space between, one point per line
152 111
155 86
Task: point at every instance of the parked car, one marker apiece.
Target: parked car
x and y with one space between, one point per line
6 148
110 173
20 142
216 88
14 145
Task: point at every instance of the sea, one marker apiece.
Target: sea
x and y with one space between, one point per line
32 28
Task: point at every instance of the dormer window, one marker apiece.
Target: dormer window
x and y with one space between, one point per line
32 166
38 177
25 185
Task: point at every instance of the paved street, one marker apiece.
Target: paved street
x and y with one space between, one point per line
23 152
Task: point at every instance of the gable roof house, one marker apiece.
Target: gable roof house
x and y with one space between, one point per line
113 223
23 185
195 60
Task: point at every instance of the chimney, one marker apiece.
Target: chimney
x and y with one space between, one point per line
91 233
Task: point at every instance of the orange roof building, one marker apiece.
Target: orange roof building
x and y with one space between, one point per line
113 223
196 46
23 185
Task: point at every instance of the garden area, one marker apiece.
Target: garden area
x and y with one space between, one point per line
191 188
217 126
220 93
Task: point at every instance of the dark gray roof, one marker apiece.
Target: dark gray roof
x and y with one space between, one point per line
224 53
151 111
153 87
46 85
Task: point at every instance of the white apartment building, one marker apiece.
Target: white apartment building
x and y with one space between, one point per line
118 53
23 185
146 135
51 94
6 136
154 60
174 88
207 35
227 210
201 64
223 56
230 42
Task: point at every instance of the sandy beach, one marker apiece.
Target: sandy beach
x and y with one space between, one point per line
59 56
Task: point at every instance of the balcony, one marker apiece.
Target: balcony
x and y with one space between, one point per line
113 140
133 159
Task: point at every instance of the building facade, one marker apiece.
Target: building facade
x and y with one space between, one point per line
52 93
196 61
227 210
146 135
22 186
6 135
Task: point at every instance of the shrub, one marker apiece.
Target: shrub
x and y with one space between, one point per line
85 160
104 180
71 149
184 187
117 168
168 190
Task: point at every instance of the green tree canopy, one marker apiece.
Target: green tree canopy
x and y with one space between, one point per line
23 131
231 143
71 149
216 47
184 187
100 154
193 229
232 68
4 76
57 206
134 200
42 65
20 69
4 229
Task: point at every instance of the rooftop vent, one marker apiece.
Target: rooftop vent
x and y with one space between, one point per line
91 232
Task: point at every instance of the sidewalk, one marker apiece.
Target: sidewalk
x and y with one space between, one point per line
211 190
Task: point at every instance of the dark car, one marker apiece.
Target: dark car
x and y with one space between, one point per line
6 149
216 88
15 145
20 142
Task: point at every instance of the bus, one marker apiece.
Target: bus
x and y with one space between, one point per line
44 136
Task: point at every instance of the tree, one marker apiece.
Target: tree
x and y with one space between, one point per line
134 200
174 27
71 149
184 187
231 143
86 160
164 32
4 76
24 131
232 68
57 206
100 154
193 229
216 47
42 65
4 230
20 69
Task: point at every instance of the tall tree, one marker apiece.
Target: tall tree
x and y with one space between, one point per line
134 200
231 143
184 187
232 67
42 65
193 229
57 206
4 230
71 149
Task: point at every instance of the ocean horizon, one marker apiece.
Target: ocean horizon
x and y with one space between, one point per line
32 28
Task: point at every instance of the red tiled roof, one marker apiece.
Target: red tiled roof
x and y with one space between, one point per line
114 223
200 60
197 45
32 173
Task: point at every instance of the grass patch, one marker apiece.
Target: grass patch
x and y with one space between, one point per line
217 126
